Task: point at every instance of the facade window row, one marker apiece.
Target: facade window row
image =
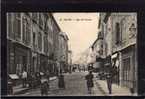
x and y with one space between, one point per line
31 42
119 42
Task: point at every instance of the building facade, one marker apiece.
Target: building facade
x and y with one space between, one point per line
63 51
120 34
97 49
69 60
32 40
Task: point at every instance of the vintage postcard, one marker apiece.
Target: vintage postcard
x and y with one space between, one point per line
72 54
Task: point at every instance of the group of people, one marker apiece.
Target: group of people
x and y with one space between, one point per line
30 79
109 77
46 83
41 80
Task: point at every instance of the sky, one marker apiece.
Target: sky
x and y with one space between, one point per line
81 28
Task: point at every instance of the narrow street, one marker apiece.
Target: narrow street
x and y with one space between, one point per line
76 86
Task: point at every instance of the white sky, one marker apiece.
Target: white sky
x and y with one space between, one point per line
81 33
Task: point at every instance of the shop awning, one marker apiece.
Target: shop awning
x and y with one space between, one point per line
14 76
99 59
114 55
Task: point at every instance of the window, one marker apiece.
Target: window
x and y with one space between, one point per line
132 30
28 31
40 20
17 25
50 24
45 44
46 25
40 41
10 25
34 17
24 29
118 33
34 39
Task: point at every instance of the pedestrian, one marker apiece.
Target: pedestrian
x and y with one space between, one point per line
109 82
47 76
30 80
61 82
24 78
38 78
89 77
44 89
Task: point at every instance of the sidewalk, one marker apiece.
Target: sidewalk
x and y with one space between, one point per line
116 90
20 90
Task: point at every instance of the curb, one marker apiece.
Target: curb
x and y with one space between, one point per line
22 91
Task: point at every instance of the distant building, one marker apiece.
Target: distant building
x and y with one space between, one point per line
97 48
69 60
120 30
63 51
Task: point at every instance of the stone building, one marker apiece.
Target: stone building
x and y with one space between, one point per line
69 60
32 40
97 48
120 30
63 51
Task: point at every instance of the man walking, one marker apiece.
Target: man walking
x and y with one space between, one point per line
89 77
110 75
109 82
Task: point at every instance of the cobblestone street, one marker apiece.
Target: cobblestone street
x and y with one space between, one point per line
76 86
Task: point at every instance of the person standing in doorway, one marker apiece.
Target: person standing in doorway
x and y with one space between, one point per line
24 78
89 77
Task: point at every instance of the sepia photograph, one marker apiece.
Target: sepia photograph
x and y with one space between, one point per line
72 54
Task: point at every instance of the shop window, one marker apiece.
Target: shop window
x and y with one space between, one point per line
126 70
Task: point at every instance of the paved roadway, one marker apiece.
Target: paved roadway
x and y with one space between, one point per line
75 86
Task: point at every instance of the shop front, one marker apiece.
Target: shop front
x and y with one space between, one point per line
43 63
129 72
22 58
18 60
11 68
